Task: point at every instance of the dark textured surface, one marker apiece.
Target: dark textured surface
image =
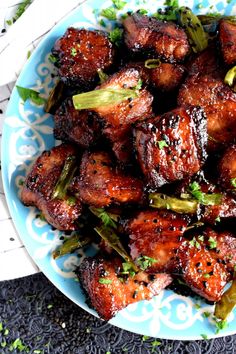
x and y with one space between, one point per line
33 310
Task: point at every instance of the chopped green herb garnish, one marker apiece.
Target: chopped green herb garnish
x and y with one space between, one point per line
106 218
212 242
204 336
172 3
154 344
197 306
73 52
17 344
233 182
143 11
28 54
21 9
204 198
109 13
152 63
102 23
49 306
52 58
139 85
206 314
195 243
105 281
206 275
1 326
115 36
145 262
217 219
119 4
220 325
128 269
67 173
200 238
145 338
34 96
162 144
37 351
199 6
9 22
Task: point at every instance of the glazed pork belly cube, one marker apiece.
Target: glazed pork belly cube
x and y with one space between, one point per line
171 147
201 271
166 77
109 291
227 169
80 54
225 210
205 87
118 118
73 125
222 245
156 235
144 35
102 183
40 184
227 34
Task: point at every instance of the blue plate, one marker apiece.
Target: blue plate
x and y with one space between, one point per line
28 131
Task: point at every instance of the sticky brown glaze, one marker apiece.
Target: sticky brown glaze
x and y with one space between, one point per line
80 54
219 103
157 234
117 118
166 77
222 245
143 34
80 127
205 62
202 272
227 35
184 131
227 168
108 299
39 186
101 183
225 210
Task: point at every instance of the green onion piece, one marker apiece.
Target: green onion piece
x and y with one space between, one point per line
55 98
115 36
70 245
102 76
152 63
107 218
227 302
65 178
194 29
230 78
113 240
102 97
204 198
233 182
163 201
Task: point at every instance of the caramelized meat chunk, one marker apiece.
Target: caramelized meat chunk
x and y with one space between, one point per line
202 272
145 34
117 118
80 54
39 186
80 127
166 77
225 210
227 168
206 62
101 183
158 235
227 33
109 291
219 103
222 246
171 147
